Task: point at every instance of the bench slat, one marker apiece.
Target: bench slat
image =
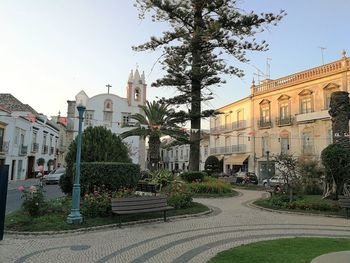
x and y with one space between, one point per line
137 207
138 199
141 202
144 211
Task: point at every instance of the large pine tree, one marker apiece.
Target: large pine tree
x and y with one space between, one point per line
202 32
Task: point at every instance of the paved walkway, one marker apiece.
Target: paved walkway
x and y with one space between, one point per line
181 240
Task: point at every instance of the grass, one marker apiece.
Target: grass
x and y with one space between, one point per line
291 250
20 221
308 199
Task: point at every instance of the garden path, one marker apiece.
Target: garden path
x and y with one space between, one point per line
232 223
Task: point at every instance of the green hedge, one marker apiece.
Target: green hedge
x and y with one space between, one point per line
210 186
193 176
108 176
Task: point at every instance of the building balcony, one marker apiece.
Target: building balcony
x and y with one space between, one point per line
23 150
239 125
312 116
4 147
35 147
264 124
45 149
284 121
240 148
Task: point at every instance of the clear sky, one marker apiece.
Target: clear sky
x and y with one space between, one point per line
52 49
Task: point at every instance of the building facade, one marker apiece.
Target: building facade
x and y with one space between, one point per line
25 136
287 115
113 112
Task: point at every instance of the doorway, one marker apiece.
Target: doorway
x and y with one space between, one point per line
30 167
13 169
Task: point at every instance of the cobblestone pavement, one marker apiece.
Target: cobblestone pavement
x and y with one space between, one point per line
179 240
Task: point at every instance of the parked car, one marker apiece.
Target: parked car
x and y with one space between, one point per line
275 181
54 176
246 178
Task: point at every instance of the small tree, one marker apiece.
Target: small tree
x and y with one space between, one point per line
40 161
311 175
98 145
336 160
286 165
212 165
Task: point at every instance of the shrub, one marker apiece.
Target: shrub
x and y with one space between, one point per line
212 165
193 176
161 177
34 201
312 189
108 176
210 186
178 195
59 205
96 204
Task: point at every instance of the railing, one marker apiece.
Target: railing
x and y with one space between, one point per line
35 147
44 149
303 76
284 121
23 150
239 125
263 124
4 147
311 116
128 124
239 148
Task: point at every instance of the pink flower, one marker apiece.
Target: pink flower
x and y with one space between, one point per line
21 188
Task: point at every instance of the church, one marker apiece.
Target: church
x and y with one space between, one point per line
113 112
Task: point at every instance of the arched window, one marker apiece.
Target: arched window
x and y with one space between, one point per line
137 95
284 110
265 115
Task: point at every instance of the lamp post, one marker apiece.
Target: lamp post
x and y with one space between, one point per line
75 217
268 167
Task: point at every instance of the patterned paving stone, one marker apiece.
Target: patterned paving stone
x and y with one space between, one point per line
181 240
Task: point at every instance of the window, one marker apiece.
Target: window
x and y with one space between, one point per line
264 113
89 115
284 110
284 141
17 135
34 136
240 118
227 144
227 121
137 94
125 118
2 131
264 144
205 150
327 91
307 142
181 153
108 105
107 116
306 104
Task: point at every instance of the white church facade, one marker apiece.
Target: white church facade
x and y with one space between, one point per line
113 112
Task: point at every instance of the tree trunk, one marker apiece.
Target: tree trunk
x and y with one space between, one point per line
153 152
196 88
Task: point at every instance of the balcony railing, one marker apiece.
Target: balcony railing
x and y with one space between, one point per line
45 149
35 147
264 124
311 116
52 150
239 125
239 148
284 121
23 150
4 147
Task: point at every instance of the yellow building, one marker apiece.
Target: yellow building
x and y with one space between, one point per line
286 115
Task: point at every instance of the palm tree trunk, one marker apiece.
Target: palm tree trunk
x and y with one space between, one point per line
153 153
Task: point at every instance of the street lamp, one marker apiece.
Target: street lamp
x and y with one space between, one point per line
75 217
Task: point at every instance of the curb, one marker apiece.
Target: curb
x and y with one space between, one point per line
251 205
110 226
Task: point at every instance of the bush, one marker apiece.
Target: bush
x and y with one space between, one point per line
210 186
178 195
312 189
96 205
161 178
109 177
59 205
212 165
193 176
34 201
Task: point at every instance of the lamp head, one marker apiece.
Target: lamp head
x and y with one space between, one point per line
81 99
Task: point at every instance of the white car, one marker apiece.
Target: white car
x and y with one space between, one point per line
275 180
54 176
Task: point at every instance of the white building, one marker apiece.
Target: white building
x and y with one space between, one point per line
113 112
25 136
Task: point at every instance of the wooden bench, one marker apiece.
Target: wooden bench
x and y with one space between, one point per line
137 205
146 187
344 202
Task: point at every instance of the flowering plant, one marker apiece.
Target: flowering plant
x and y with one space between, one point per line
34 201
96 204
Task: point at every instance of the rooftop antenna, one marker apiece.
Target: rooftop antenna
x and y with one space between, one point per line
268 68
322 49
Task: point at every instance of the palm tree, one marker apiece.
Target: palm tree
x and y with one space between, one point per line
158 120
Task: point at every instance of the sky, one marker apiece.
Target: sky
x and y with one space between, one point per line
52 49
